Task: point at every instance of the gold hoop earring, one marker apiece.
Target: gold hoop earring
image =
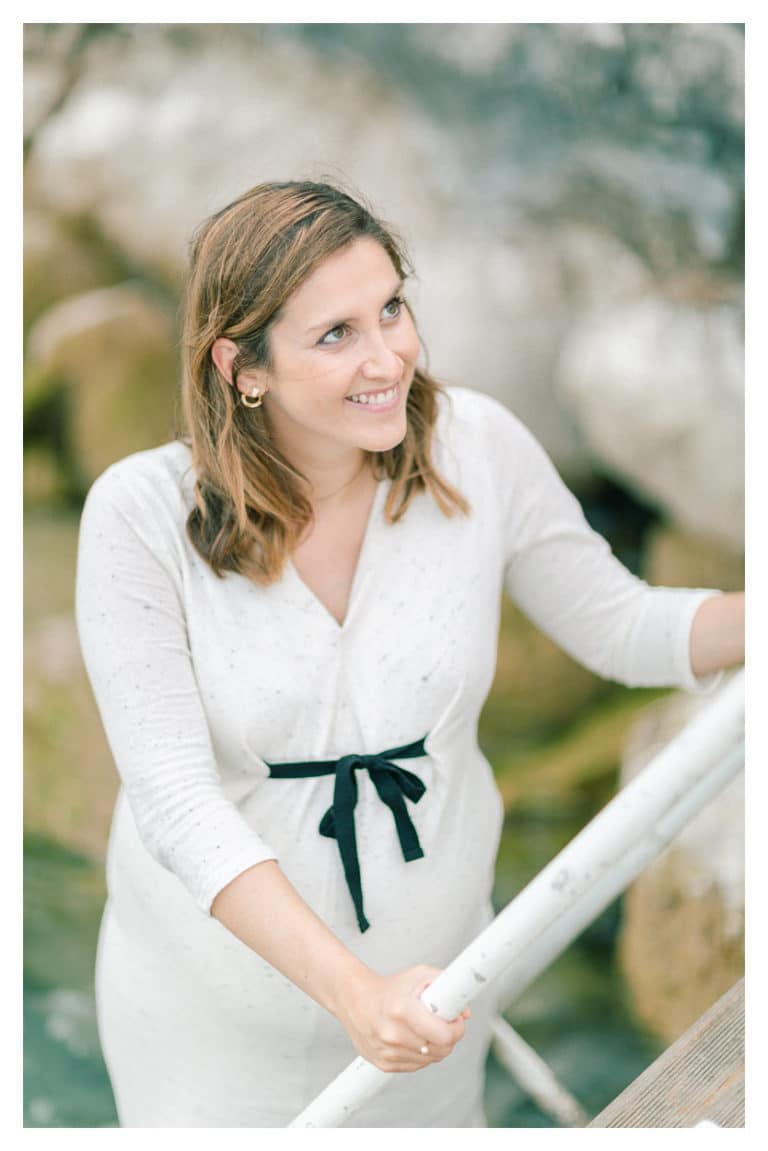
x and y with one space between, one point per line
252 402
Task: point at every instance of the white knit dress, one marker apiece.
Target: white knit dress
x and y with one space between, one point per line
202 682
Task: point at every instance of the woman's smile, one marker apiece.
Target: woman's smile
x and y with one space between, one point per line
376 400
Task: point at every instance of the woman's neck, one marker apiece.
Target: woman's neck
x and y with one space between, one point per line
347 486
332 475
329 468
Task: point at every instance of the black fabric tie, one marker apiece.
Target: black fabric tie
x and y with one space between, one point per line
393 784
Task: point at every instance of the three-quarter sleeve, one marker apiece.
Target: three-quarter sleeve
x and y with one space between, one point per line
133 636
565 578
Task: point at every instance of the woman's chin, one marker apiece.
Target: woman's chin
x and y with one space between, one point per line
384 439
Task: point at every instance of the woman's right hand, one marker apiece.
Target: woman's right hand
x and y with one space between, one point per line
389 1025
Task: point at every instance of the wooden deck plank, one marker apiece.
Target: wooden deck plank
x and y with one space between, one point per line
701 1076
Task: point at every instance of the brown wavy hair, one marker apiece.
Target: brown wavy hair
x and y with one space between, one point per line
246 261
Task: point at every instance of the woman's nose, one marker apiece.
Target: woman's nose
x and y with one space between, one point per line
380 362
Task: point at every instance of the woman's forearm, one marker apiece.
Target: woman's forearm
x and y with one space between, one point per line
717 634
382 1015
263 909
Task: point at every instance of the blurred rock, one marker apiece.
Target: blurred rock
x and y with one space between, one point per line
517 308
649 118
535 281
607 155
53 649
577 768
682 944
657 387
59 262
70 780
598 269
113 350
44 481
676 558
50 64
151 105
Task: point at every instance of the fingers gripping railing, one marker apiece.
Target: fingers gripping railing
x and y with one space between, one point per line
576 885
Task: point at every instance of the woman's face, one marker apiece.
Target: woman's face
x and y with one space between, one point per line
344 352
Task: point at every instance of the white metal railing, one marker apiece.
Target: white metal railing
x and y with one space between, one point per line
534 1075
579 883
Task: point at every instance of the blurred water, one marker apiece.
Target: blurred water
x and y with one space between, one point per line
65 1081
575 1015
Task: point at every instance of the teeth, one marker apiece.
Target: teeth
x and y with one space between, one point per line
379 398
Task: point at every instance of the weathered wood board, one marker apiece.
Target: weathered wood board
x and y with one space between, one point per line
701 1076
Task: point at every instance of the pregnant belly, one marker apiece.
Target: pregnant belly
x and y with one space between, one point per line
425 910
419 911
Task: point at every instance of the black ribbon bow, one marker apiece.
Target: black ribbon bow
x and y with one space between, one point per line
393 784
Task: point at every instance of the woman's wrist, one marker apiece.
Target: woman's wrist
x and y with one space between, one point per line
350 985
717 634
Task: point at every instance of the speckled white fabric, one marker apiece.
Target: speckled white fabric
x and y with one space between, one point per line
201 681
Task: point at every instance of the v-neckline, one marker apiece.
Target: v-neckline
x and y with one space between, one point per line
357 578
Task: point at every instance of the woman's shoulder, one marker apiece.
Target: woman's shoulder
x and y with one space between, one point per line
469 417
161 477
480 439
469 405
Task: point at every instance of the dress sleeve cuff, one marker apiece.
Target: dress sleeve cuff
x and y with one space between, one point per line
235 865
699 685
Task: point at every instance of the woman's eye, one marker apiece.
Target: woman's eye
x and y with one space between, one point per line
337 333
390 311
393 307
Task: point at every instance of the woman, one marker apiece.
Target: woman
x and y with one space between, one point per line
290 624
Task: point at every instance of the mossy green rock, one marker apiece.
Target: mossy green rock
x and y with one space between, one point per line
44 482
70 780
61 260
113 354
538 689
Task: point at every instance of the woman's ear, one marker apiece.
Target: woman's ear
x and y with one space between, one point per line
223 354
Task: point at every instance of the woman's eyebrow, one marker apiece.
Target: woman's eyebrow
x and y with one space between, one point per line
328 325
